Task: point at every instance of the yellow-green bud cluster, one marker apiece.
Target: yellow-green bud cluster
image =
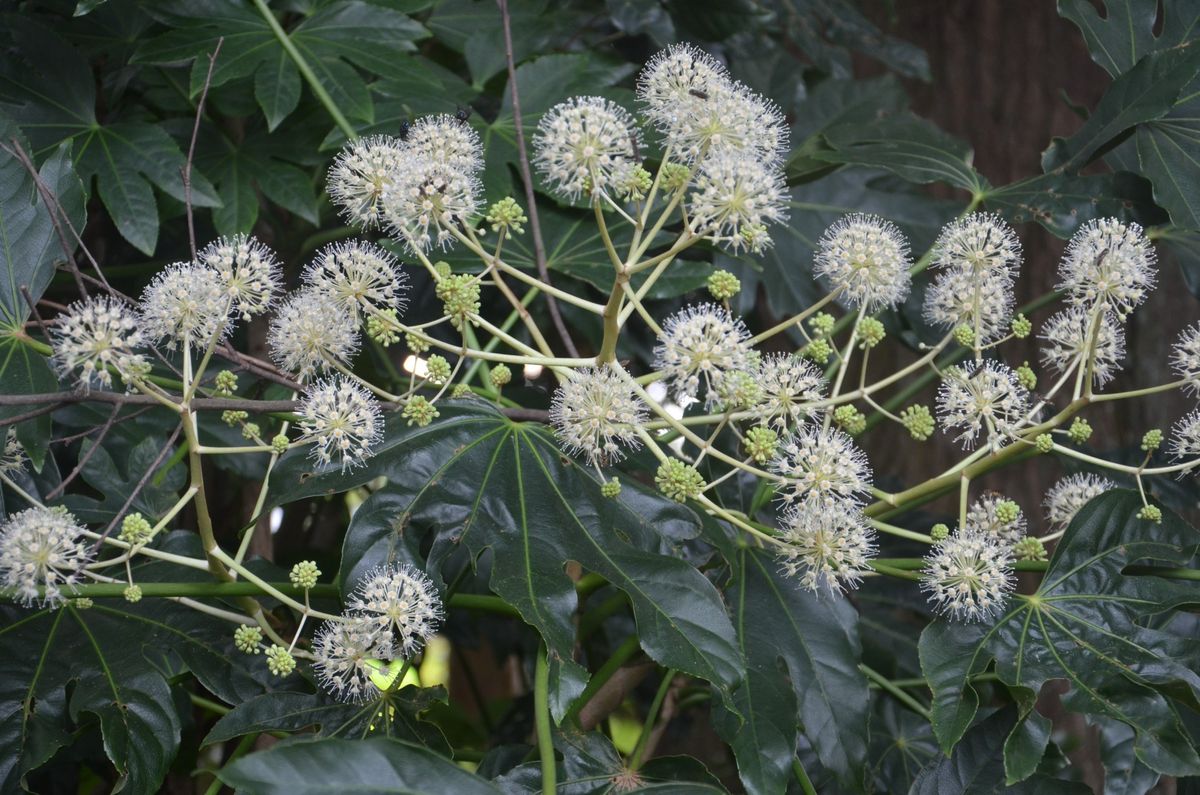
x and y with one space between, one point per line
419 411
1044 442
755 237
939 532
383 327
1151 513
1080 431
459 293
415 344
1030 548
280 661
870 332
822 323
675 176
506 214
135 529
133 594
232 418
279 444
611 488
637 184
437 369
761 443
1021 327
304 574
246 638
964 336
442 269
500 376
250 430
723 285
918 421
678 480
1152 440
82 603
225 383
850 419
461 391
819 350
1026 377
1007 511
739 390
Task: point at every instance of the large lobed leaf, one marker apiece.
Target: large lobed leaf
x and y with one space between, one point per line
1088 624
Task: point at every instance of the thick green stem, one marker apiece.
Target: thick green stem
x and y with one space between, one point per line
541 711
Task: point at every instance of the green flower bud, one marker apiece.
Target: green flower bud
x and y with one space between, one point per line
459 293
280 661
437 369
818 350
1021 327
442 269
850 419
964 336
415 344
611 488
761 443
225 383
133 594
383 327
135 529
1007 511
500 376
822 323
739 390
1151 440
1026 377
675 176
250 430
1030 548
1080 431
304 574
939 532
279 444
461 391
82 603
232 418
1151 513
755 237
918 421
1044 442
637 184
419 411
506 214
723 285
678 480
870 332
246 638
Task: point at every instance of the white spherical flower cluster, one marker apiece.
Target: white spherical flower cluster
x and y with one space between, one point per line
1068 495
345 654
402 602
341 420
447 140
866 260
361 277
733 198
698 347
957 297
428 201
821 466
359 176
1185 357
248 271
675 82
968 576
586 145
595 412
983 517
42 551
1108 263
790 384
12 454
828 546
94 336
1185 436
310 331
1067 334
980 243
185 304
990 398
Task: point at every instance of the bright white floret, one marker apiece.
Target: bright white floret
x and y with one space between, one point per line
345 655
735 196
1185 358
982 244
828 546
403 602
821 466
866 259
359 176
447 140
968 576
342 421
1109 263
586 146
361 277
95 336
596 413
958 296
790 385
247 270
42 552
186 304
1066 497
1065 343
676 81
428 202
988 398
699 345
1185 436
310 332
988 515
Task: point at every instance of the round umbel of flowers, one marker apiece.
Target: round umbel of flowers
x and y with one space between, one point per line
866 260
402 602
1185 357
428 202
585 146
248 271
1066 337
998 517
94 337
698 346
826 546
983 303
821 466
360 174
447 140
344 653
1066 497
185 305
42 552
734 197
987 398
1108 264
12 454
310 331
981 244
790 384
342 422
730 119
676 82
596 413
1185 436
360 277
968 576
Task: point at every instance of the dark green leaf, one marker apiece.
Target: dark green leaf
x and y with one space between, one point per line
277 88
1123 773
376 765
374 38
1125 34
115 474
818 685
25 372
1169 156
1087 624
1057 201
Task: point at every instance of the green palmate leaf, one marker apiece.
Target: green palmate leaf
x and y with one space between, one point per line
902 743
114 471
1146 92
376 765
24 372
976 767
592 766
1168 150
1059 202
479 481
1123 773
1126 32
1090 625
277 88
817 687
